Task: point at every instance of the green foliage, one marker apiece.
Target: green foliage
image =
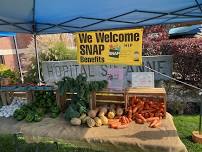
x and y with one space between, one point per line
82 88
5 72
34 112
185 124
7 144
58 52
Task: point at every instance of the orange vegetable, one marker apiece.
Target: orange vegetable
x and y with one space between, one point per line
140 117
152 119
114 125
134 110
153 123
139 121
148 110
122 126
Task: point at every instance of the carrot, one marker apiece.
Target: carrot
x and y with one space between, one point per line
146 106
124 120
152 119
146 115
151 114
114 125
148 110
127 120
130 120
157 124
162 109
153 123
134 101
157 114
130 115
141 117
122 126
139 121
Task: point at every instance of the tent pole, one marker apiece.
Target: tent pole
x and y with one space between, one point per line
37 59
18 59
200 116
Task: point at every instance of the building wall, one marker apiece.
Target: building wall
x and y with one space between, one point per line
7 48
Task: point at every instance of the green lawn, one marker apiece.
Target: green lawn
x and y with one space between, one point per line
185 125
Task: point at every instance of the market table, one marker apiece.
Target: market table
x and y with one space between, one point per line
134 138
6 92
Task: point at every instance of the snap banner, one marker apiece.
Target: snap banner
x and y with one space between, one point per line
110 47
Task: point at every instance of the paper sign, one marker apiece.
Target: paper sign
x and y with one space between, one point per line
143 79
110 47
115 78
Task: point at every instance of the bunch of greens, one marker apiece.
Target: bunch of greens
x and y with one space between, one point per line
82 90
34 112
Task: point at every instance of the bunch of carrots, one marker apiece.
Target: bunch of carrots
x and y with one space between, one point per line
141 110
120 123
146 110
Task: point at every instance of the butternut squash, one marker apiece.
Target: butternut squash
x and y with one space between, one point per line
75 121
92 113
98 122
111 115
90 122
104 120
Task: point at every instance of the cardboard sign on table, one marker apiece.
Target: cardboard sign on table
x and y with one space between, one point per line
143 79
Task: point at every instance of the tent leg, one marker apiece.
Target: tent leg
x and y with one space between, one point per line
18 58
200 119
37 59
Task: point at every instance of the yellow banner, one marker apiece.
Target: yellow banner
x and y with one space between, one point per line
110 47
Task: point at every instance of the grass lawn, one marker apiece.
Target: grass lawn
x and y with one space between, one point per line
185 125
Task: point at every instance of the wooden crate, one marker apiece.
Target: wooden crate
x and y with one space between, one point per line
63 100
107 97
159 93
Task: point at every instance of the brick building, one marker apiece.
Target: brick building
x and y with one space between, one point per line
8 52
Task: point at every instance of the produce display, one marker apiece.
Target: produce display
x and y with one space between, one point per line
100 116
8 110
34 112
141 110
146 110
81 90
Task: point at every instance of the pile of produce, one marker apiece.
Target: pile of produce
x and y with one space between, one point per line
8 110
146 110
99 116
141 110
34 112
81 89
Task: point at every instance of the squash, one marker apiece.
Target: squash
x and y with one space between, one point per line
111 115
119 111
92 113
104 120
75 121
83 121
98 122
103 111
90 122
83 115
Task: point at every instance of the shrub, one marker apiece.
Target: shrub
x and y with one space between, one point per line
5 72
187 54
